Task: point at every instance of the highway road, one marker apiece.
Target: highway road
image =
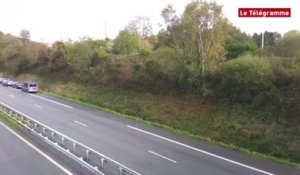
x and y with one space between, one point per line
19 157
145 149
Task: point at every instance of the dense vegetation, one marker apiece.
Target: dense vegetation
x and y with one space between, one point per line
203 76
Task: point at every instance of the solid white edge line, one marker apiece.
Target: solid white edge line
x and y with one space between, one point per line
164 157
202 151
37 150
67 106
70 138
80 123
37 106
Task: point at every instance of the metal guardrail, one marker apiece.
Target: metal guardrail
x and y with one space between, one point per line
94 161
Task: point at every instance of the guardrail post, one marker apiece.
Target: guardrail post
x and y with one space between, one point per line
44 129
121 171
22 119
74 147
15 116
52 135
102 163
35 126
62 140
87 154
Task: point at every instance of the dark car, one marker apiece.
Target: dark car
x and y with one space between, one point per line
15 84
19 85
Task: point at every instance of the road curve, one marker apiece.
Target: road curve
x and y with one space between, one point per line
145 149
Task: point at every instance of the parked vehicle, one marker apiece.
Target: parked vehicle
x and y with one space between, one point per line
15 84
19 85
5 82
1 79
30 87
10 83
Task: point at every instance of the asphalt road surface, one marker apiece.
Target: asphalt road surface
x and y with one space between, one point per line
19 157
145 149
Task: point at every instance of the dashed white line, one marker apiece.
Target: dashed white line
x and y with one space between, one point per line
202 151
11 95
38 150
37 106
67 106
82 124
164 157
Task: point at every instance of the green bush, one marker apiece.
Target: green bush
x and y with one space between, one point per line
287 80
246 79
144 52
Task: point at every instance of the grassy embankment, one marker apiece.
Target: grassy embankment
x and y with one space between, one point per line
238 127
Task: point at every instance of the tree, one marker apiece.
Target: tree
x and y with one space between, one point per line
141 25
270 39
168 36
257 39
25 35
80 55
199 33
10 47
126 42
17 56
238 43
288 46
59 56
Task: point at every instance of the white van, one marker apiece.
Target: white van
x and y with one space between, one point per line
30 87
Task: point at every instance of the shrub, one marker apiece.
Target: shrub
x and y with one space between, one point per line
246 79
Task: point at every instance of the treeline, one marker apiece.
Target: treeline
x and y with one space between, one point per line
199 52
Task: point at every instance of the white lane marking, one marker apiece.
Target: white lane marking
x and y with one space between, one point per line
69 138
164 157
202 151
80 123
11 95
67 106
37 106
38 150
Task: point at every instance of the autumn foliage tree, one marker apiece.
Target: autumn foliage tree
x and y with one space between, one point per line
198 37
